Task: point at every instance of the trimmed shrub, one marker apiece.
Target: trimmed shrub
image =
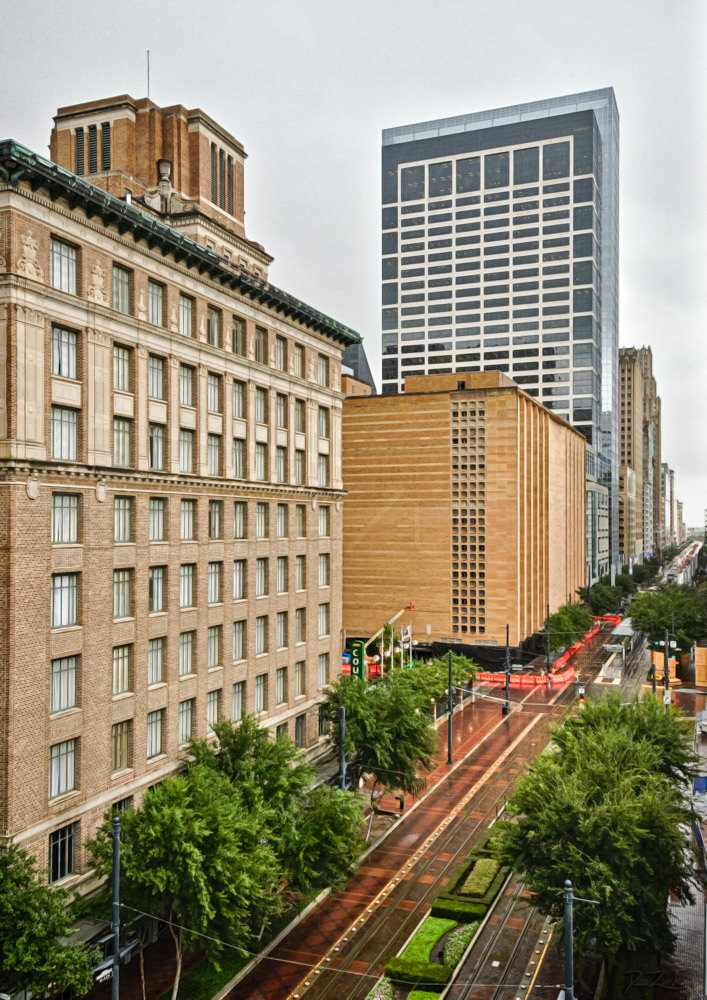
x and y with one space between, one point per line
383 990
479 880
401 970
457 943
462 910
420 948
422 995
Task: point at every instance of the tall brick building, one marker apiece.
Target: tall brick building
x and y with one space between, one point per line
170 470
466 496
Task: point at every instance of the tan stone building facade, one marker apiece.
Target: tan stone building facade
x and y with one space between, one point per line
467 497
170 484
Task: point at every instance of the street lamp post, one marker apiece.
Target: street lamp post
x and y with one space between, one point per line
507 703
450 705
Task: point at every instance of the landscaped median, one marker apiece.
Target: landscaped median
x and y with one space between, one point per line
442 939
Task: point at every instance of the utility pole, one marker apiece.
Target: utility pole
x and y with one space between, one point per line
569 956
115 912
342 755
450 710
548 638
665 660
507 704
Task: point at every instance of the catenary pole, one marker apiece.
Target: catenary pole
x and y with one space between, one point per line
507 703
115 914
450 707
342 755
569 958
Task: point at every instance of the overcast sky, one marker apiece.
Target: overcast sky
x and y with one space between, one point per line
308 85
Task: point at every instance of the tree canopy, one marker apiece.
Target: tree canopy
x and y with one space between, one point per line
33 920
652 612
567 625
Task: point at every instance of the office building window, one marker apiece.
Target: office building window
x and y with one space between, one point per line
300 416
299 467
213 454
300 572
121 669
324 522
261 345
65 519
261 634
121 368
238 336
261 577
299 678
64 352
281 686
239 519
62 852
186 653
323 620
238 641
64 434
64 594
299 731
213 327
300 625
212 710
213 646
282 520
281 732
156 589
237 701
323 670
155 449
122 519
121 289
261 520
238 400
323 470
323 370
261 406
155 655
281 629
215 519
187 573
214 583
186 384
155 377
120 746
155 301
324 569
156 526
282 574
281 354
280 464
213 394
186 451
63 684
121 442
323 721
62 768
186 315
299 361
121 593
155 722
323 422
301 520
239 579
63 266
187 520
238 458
281 410
261 693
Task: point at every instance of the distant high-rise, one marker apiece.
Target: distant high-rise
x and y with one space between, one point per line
500 251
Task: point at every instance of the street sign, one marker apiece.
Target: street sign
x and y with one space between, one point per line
358 659
666 698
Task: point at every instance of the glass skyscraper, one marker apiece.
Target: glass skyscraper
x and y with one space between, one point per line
500 239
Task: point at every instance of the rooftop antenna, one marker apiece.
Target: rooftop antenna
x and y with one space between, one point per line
148 73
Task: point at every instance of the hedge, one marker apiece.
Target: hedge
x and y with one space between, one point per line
462 910
422 995
402 970
420 947
479 880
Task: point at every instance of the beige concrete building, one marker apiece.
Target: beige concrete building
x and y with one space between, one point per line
652 450
170 471
466 496
631 418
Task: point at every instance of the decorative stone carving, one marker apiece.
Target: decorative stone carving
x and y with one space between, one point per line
335 378
32 487
141 305
202 328
142 351
97 337
100 491
28 263
173 320
96 290
272 355
310 368
32 317
3 263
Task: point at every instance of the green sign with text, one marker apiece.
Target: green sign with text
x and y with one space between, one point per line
358 659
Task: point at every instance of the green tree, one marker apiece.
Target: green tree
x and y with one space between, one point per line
429 682
567 625
329 838
602 599
388 734
194 855
605 812
33 920
652 612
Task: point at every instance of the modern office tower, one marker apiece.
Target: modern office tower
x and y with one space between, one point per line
652 507
170 472
631 457
500 247
467 497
